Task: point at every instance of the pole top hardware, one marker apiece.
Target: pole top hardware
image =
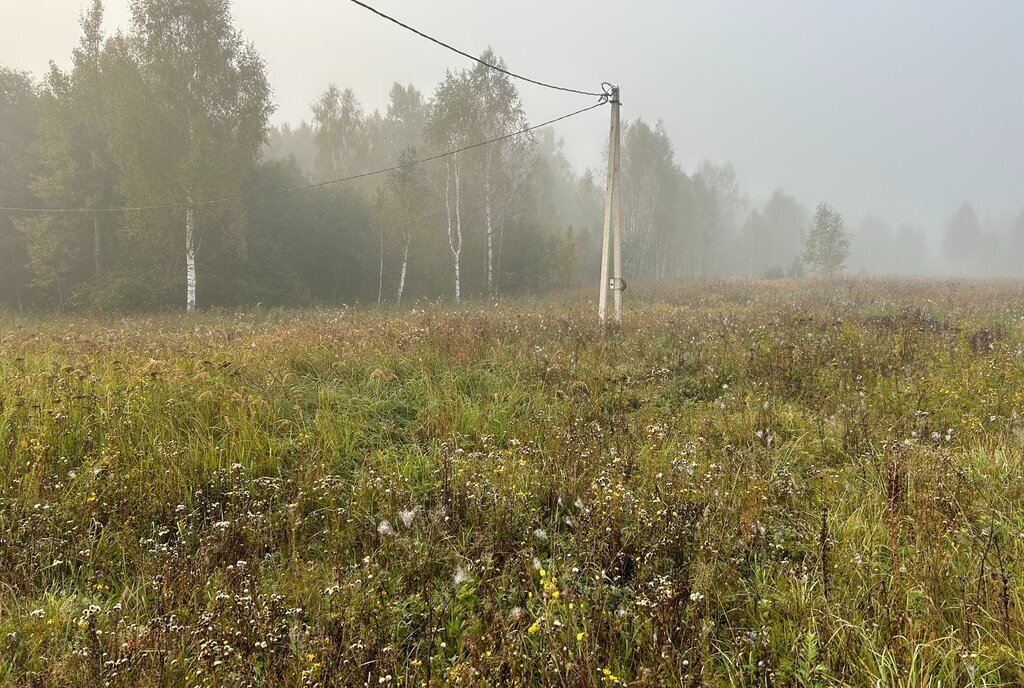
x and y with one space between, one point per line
611 93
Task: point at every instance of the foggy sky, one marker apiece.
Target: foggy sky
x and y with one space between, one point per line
904 109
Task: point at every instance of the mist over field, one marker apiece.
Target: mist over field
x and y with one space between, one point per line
738 121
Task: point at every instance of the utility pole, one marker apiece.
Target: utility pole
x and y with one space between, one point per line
612 214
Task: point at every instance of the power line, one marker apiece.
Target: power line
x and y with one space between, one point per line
328 182
496 68
446 153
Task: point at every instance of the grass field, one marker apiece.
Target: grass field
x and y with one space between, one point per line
753 483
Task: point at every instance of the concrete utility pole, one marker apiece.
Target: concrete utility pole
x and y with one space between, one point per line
612 213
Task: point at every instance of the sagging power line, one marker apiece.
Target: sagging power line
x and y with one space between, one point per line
315 185
463 53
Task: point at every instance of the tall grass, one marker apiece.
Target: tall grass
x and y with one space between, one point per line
751 484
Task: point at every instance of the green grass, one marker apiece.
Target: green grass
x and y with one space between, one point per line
752 484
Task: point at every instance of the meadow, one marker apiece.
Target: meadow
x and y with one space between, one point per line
752 483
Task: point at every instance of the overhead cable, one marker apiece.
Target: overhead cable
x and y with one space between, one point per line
477 59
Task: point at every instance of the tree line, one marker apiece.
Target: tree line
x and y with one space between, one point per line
170 120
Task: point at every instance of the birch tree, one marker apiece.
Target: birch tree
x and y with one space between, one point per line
340 134
195 122
405 191
650 186
405 121
498 112
450 127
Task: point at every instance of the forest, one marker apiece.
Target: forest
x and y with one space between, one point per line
159 137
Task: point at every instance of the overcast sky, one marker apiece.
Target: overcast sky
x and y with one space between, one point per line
904 108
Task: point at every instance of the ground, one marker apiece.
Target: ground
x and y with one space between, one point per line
806 483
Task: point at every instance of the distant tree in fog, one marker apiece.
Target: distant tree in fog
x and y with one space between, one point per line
286 141
962 243
650 182
871 247
341 141
771 235
712 209
827 242
1015 248
911 253
405 120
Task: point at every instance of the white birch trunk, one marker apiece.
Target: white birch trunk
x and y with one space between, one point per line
448 205
405 265
380 275
454 232
490 226
190 257
97 249
458 231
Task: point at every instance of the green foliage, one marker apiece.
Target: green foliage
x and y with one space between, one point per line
827 242
302 247
19 105
70 253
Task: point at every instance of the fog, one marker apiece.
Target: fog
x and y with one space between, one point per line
895 114
901 109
